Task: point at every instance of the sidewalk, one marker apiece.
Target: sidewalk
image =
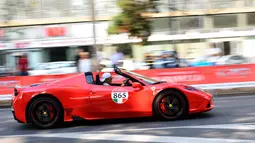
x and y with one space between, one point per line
5 100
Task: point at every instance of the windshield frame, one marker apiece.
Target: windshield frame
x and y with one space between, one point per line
143 78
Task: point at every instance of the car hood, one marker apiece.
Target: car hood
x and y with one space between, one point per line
168 85
182 87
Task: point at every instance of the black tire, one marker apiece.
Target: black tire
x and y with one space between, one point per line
182 108
45 108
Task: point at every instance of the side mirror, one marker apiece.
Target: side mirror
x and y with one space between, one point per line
137 85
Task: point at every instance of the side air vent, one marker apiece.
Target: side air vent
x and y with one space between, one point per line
208 105
34 85
16 92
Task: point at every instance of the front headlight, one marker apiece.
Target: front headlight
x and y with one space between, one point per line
191 88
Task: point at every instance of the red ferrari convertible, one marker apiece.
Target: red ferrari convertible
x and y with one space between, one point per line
83 97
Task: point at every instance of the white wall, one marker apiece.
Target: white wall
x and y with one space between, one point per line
35 57
249 49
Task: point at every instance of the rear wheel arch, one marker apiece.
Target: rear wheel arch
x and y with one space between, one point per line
170 89
40 96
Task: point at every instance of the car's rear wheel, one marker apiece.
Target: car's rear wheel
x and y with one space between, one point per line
45 112
170 105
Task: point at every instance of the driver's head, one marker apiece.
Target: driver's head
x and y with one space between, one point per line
107 78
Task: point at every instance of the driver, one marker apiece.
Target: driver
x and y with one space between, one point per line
106 79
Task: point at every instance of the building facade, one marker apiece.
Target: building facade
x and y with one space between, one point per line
51 31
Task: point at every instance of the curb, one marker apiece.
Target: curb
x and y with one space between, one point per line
5 103
5 100
229 92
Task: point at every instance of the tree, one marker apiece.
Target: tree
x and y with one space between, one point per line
131 20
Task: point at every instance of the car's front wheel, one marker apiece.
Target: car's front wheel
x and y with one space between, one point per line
170 105
45 112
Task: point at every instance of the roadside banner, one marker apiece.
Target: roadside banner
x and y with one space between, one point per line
217 75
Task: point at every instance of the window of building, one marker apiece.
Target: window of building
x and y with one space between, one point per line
2 59
160 25
227 48
225 21
249 3
251 18
215 4
188 23
56 54
106 7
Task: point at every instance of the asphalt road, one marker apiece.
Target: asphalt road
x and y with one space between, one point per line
232 120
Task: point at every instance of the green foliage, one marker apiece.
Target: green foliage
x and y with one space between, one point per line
131 20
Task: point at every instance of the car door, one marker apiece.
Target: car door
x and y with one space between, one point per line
120 101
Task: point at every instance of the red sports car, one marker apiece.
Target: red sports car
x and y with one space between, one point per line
83 97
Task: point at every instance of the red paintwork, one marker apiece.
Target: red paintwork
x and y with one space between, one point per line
88 101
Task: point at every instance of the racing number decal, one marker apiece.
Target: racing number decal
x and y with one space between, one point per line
119 95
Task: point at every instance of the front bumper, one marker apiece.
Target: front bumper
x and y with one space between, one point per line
207 105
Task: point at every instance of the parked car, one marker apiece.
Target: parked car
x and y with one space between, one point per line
174 63
201 62
232 59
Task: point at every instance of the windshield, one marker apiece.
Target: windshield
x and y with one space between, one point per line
144 78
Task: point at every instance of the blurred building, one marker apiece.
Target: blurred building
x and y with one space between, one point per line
51 30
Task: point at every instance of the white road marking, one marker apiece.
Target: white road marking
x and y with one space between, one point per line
8 121
135 138
218 126
6 117
231 127
110 134
239 126
6 109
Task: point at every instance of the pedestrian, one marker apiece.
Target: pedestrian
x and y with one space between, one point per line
84 62
77 59
116 57
23 65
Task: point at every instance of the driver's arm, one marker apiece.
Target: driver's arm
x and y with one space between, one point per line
125 82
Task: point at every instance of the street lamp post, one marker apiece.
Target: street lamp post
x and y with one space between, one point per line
95 62
170 22
93 21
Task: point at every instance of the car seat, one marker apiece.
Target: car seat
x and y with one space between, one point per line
98 81
89 78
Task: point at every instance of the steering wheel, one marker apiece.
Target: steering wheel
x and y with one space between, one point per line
126 82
